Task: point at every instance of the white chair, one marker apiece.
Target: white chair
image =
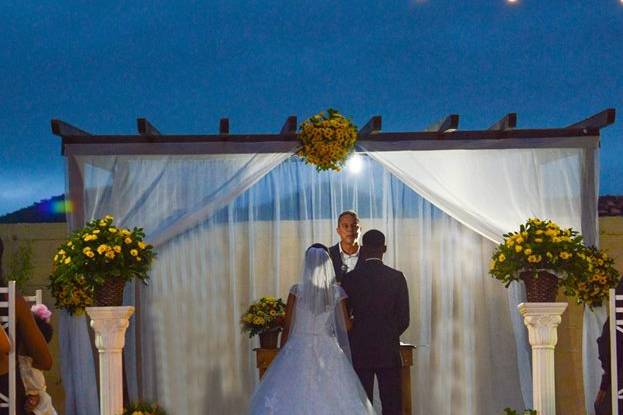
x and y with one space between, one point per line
616 326
8 323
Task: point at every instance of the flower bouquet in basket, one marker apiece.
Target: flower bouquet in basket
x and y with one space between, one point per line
94 264
265 318
144 408
542 255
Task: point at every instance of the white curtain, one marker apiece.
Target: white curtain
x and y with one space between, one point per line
164 195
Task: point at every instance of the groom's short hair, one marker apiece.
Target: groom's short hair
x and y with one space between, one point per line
373 239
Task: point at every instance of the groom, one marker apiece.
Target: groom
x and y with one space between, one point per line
379 304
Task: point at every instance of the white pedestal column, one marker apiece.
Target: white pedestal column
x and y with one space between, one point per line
110 324
542 320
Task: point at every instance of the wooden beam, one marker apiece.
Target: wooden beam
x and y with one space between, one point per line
373 126
290 126
223 126
597 121
448 124
63 129
381 136
146 128
508 122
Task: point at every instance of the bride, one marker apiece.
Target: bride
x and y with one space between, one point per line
313 374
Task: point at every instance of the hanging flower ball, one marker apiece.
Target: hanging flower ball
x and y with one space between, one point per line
327 140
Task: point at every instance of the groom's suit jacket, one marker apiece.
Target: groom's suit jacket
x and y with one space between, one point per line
338 265
378 300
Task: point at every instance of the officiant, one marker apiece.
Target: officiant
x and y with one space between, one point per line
345 254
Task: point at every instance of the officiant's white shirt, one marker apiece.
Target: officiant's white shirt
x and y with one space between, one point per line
349 260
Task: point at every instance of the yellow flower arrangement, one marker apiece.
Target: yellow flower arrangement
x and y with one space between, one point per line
541 245
94 254
327 140
264 315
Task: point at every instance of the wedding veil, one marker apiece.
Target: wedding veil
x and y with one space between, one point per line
318 310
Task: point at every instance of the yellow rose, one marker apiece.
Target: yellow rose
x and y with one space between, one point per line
96 231
85 250
128 241
102 223
510 243
141 245
539 232
518 248
102 249
112 230
67 260
90 254
519 240
501 258
527 251
117 248
110 254
538 240
133 252
61 252
55 258
492 264
70 243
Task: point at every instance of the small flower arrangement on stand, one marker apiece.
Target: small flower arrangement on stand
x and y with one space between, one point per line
94 264
144 408
265 318
327 140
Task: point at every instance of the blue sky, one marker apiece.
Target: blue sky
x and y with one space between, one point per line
183 65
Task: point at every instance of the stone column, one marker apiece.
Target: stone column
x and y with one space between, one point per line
109 325
542 320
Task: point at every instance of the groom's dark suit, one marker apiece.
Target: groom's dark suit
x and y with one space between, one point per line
379 303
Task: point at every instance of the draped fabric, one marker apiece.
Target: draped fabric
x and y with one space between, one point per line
231 228
493 191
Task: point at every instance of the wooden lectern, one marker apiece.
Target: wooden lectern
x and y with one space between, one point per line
264 357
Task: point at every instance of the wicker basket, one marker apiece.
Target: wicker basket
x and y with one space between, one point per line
540 288
110 294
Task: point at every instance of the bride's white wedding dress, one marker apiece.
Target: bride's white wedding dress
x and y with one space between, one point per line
313 374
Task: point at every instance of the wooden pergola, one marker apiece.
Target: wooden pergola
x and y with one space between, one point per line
444 134
447 129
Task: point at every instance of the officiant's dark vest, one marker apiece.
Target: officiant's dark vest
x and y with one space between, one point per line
338 266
